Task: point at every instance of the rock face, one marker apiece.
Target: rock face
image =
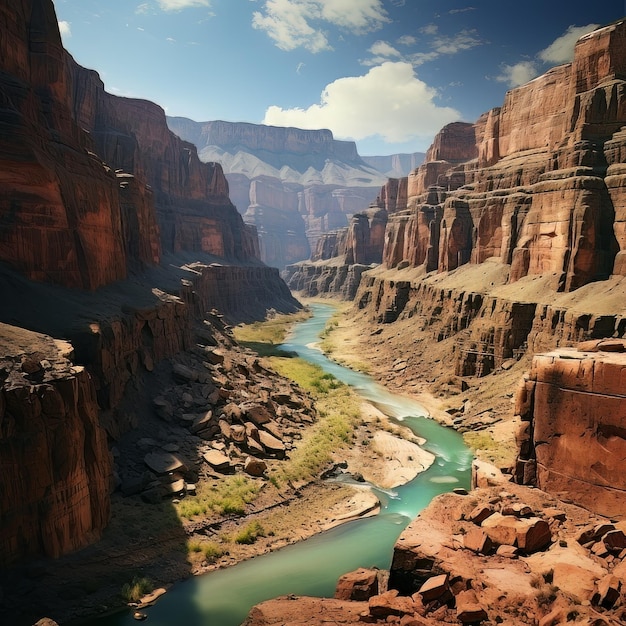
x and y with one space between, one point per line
356 248
53 499
573 411
504 216
293 185
92 188
544 564
92 184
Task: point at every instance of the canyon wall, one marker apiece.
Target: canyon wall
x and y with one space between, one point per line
573 410
114 235
507 242
293 185
53 452
92 184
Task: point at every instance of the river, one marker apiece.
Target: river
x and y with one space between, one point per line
312 567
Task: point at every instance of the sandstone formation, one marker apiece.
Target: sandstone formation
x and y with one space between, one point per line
93 185
573 410
504 216
546 564
53 499
293 185
116 237
351 251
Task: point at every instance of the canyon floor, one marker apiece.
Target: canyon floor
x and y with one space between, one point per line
147 540
153 542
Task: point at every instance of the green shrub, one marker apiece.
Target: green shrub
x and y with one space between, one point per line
250 533
136 589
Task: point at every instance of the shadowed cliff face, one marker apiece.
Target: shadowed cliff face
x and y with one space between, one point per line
92 184
94 189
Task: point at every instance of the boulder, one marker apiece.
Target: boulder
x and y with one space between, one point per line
360 585
468 608
390 603
254 467
435 588
164 462
477 541
217 460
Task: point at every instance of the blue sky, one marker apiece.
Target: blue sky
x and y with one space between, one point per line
387 74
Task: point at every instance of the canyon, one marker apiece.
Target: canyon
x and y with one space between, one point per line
116 243
293 185
502 259
124 262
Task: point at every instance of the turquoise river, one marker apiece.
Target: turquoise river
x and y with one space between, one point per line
312 567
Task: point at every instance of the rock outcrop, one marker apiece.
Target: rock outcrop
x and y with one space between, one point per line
572 441
501 555
341 257
93 185
55 460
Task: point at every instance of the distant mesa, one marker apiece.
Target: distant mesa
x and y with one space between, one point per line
292 184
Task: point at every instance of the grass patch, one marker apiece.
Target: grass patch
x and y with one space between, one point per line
211 550
228 496
136 589
250 533
339 411
487 448
263 337
310 377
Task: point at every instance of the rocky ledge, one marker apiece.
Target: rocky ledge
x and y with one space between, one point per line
500 555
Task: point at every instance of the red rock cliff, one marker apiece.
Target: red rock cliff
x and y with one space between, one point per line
88 180
535 183
573 438
52 500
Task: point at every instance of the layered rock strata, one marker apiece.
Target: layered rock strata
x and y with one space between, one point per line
93 184
529 195
293 185
573 408
341 257
53 452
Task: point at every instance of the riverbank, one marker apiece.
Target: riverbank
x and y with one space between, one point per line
408 362
148 543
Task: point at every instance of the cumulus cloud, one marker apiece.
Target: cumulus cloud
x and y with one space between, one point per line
65 30
177 5
390 102
301 23
517 74
561 50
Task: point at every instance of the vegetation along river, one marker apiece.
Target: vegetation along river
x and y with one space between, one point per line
312 567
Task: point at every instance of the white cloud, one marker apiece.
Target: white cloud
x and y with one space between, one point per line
177 5
301 23
390 101
65 30
464 40
454 11
407 40
439 44
561 50
518 74
383 49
